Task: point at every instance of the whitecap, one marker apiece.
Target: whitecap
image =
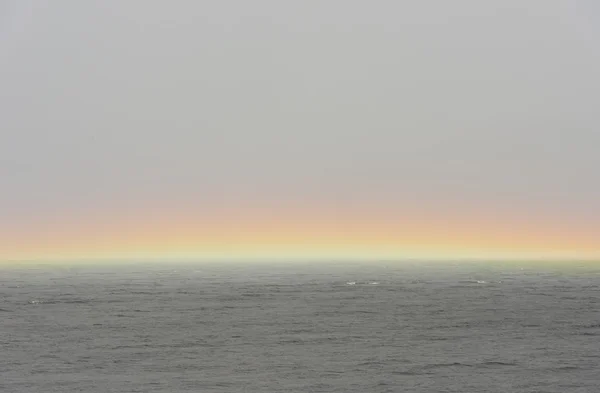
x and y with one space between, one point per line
351 283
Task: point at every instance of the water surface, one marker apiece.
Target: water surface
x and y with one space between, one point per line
313 328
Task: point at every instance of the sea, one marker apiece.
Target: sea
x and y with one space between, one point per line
292 327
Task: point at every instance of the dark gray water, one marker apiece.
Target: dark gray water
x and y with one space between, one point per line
349 328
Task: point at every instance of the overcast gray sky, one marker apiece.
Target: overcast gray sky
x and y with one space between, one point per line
110 105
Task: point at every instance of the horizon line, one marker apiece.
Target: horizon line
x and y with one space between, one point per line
524 259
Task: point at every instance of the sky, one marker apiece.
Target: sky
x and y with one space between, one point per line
147 128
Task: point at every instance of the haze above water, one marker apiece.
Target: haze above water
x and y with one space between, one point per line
125 123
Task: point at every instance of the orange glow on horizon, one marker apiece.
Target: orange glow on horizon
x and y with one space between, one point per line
300 235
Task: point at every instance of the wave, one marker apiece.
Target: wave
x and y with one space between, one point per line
73 301
443 365
591 326
491 363
496 363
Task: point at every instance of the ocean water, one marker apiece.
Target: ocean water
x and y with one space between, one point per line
292 328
